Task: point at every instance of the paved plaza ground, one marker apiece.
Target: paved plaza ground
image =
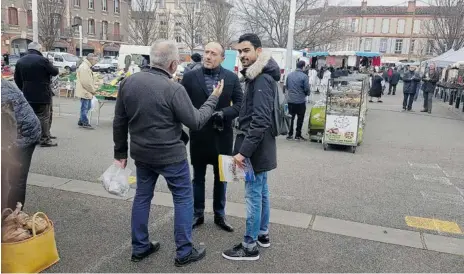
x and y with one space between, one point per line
397 205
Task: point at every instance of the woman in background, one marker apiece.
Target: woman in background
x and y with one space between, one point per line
376 87
17 154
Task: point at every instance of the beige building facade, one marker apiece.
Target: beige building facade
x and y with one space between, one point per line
103 26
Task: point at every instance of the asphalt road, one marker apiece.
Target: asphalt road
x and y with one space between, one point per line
410 164
93 235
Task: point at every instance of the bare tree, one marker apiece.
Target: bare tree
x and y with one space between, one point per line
446 30
50 20
270 20
165 21
143 28
219 18
190 21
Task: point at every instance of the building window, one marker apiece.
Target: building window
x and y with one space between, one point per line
77 3
413 43
116 6
398 46
198 5
116 32
29 18
368 44
13 16
91 26
177 2
104 30
370 25
162 4
354 25
400 28
91 4
163 35
385 25
104 5
383 45
77 21
430 47
178 39
57 23
198 38
417 26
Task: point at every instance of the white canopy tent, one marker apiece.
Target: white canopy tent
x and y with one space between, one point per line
448 58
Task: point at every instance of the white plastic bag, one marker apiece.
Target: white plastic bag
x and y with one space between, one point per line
116 180
93 103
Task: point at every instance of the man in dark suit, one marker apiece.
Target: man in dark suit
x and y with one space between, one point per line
216 137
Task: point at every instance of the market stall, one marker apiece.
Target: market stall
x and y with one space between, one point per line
345 115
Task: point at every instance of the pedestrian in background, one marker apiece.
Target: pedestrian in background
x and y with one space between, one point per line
297 88
195 64
153 109
85 89
410 81
430 79
16 159
395 78
33 75
216 137
376 87
255 141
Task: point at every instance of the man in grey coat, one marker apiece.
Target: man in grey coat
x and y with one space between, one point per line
429 80
152 108
297 85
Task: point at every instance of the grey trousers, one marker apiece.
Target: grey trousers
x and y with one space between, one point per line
428 101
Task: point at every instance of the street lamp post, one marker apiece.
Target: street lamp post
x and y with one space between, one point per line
35 22
291 30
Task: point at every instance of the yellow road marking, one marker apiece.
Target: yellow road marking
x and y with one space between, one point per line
433 224
132 180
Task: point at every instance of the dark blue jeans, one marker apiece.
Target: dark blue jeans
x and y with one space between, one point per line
219 192
178 179
85 108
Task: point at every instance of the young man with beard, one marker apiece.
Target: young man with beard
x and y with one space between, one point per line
255 140
216 137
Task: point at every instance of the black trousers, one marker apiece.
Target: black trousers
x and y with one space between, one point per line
15 171
219 191
43 113
408 100
296 110
390 88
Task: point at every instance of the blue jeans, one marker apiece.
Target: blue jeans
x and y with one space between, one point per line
258 209
178 179
85 108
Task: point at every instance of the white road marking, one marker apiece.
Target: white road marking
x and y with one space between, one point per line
427 178
454 174
422 165
444 198
127 245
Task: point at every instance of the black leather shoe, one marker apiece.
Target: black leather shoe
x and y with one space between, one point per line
196 255
154 246
221 222
197 221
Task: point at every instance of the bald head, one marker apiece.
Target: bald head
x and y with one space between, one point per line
164 54
213 56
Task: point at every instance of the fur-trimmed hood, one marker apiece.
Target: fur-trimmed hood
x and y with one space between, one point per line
264 64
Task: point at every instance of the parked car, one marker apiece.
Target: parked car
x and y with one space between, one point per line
104 65
62 59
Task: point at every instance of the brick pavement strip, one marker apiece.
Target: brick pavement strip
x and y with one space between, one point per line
294 219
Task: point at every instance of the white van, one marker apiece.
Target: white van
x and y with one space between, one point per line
62 60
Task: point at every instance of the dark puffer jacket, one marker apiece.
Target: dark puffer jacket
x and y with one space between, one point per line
411 80
28 125
256 140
